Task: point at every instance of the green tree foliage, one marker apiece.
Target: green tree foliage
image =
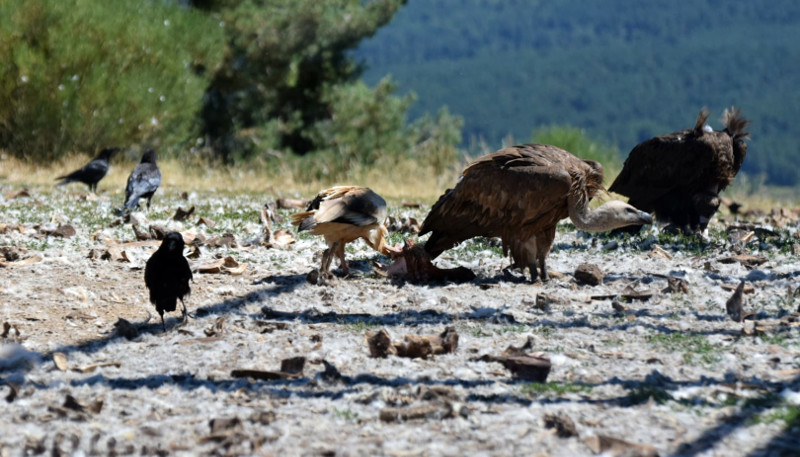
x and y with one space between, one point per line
622 71
576 141
288 82
79 74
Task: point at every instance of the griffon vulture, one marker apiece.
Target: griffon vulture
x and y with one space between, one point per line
519 194
679 176
143 181
343 214
91 173
167 275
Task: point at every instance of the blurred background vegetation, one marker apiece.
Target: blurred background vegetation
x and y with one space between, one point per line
336 89
621 71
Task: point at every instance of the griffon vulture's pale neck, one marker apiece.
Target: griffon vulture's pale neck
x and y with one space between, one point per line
608 216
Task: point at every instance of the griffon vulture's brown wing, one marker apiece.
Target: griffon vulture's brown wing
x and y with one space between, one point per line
517 188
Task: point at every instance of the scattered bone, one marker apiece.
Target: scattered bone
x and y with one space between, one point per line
412 346
291 203
158 232
589 274
748 261
380 343
18 194
140 233
658 252
615 447
676 286
433 410
222 426
628 293
290 368
72 403
77 314
741 237
562 424
280 238
735 305
182 214
748 289
13 253
522 363
8 335
415 265
226 265
22 263
60 360
62 231
194 252
227 240
216 328
207 222
402 225
619 307
91 367
116 254
283 238
272 211
610 246
13 392
543 301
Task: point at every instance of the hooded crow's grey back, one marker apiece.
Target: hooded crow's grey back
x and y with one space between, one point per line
143 181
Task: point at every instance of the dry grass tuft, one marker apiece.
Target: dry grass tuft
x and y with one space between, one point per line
407 180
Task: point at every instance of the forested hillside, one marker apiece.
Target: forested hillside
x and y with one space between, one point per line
623 71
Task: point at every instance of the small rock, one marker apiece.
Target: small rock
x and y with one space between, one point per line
676 286
564 426
590 274
124 328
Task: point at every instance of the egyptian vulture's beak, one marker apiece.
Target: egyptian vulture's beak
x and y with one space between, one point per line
645 218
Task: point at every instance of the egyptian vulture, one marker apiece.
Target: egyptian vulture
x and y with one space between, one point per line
519 194
343 214
679 176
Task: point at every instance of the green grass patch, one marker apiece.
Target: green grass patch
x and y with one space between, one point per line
554 388
695 348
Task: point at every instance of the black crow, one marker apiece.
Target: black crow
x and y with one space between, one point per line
143 181
92 172
167 275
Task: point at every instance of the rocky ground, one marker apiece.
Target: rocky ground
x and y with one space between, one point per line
646 362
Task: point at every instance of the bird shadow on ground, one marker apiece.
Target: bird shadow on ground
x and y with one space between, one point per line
654 388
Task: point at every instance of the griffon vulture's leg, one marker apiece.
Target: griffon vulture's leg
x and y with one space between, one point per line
527 256
544 242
